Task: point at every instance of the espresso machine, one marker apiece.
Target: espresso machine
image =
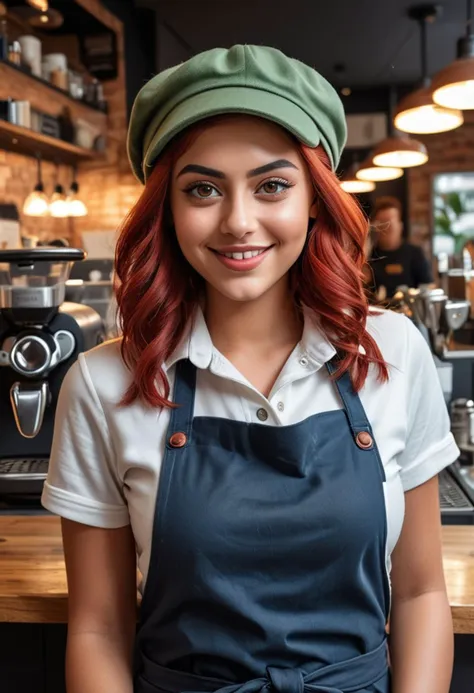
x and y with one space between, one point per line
41 336
445 324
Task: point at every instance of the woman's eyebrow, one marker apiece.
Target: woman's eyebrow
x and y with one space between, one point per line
214 173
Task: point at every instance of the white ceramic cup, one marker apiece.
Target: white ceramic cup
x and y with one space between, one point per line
31 53
23 113
55 61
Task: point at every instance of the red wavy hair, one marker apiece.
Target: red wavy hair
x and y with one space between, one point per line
158 290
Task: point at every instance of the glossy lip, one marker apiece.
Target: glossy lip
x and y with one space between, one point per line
244 265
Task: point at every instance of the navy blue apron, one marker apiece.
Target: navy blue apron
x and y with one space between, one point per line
267 568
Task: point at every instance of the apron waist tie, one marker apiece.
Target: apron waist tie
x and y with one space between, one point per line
343 677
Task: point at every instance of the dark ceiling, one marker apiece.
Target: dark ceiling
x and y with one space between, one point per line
374 39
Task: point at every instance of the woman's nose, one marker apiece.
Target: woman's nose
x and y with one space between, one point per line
238 217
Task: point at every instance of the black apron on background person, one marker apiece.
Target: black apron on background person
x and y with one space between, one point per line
405 266
267 568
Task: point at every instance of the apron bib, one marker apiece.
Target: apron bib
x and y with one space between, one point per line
267 568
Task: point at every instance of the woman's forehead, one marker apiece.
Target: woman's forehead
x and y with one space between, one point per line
243 136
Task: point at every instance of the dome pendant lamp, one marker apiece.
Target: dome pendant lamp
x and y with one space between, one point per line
397 150
58 206
37 203
76 207
417 113
351 184
453 87
368 170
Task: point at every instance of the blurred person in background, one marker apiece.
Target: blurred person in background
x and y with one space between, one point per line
393 261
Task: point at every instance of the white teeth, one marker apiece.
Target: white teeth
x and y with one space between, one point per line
245 256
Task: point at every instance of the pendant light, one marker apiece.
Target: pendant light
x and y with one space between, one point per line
38 14
416 113
40 5
58 206
36 204
351 184
453 86
369 170
76 207
398 150
51 19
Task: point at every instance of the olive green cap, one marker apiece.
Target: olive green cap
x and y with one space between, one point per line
254 80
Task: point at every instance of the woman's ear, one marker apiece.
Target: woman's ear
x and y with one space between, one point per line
313 212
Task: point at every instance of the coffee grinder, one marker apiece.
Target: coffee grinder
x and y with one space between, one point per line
40 338
442 320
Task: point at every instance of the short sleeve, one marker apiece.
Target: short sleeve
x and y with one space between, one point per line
430 446
82 482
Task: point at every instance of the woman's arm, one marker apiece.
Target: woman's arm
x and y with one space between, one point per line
101 573
421 632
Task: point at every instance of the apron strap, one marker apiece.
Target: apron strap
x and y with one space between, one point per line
358 420
185 387
181 418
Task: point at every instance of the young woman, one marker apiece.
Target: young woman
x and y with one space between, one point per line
264 444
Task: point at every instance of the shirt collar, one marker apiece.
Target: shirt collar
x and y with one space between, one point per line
314 343
197 346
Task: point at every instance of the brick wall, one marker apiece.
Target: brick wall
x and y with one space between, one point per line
448 151
109 190
17 180
107 186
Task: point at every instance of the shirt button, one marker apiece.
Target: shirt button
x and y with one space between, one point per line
262 414
303 361
280 406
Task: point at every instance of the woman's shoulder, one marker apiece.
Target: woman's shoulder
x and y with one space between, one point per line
400 341
100 372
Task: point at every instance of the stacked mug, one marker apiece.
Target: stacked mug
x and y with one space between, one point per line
54 70
31 53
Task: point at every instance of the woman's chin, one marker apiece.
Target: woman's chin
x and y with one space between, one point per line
241 290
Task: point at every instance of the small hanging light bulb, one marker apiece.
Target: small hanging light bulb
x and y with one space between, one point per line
58 206
76 207
36 204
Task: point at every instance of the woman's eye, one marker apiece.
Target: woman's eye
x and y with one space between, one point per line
202 191
274 187
206 191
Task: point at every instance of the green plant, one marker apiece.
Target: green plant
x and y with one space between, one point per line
449 208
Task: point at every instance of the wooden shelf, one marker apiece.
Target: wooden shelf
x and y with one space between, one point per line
19 85
24 141
43 82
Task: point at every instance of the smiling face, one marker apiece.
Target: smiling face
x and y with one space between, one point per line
241 198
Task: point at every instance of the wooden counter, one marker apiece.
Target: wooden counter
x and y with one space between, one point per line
33 585
33 580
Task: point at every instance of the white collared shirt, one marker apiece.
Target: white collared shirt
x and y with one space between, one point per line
105 461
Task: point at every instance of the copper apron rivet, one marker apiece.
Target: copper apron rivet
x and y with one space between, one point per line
178 440
364 440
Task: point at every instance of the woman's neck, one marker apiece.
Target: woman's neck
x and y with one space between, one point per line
273 320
